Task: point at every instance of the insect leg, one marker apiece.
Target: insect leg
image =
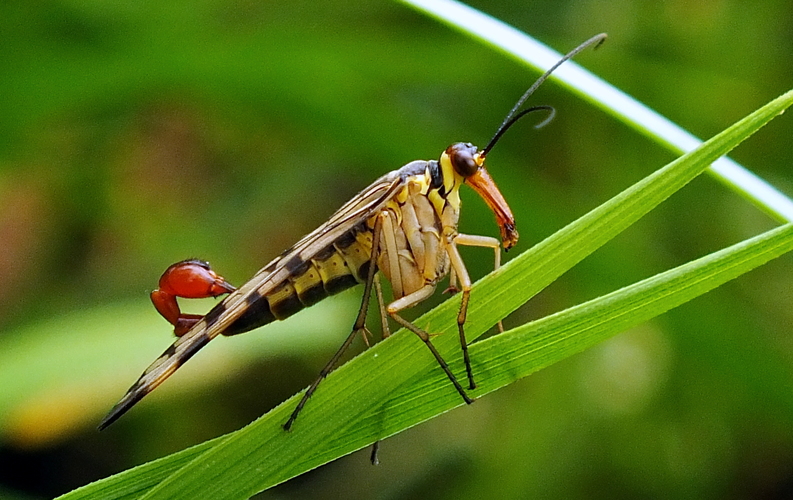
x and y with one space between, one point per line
359 326
452 288
458 267
378 289
389 239
465 283
472 240
409 301
373 456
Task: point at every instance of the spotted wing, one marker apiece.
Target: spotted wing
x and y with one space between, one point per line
364 205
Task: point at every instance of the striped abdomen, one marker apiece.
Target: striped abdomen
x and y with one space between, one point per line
338 267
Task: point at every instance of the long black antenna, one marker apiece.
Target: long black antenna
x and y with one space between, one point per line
512 117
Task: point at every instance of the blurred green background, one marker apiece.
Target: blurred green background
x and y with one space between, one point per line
137 134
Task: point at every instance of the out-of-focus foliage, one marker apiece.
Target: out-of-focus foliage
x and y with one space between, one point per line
135 135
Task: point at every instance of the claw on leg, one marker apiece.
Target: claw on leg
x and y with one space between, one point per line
365 334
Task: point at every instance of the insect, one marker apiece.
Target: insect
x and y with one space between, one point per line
403 225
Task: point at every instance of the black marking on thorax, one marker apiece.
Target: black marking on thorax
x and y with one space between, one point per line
436 175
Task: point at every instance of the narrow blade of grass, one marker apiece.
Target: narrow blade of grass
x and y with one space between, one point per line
530 347
362 407
397 384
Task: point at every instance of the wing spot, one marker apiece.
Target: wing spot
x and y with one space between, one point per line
295 265
212 316
253 297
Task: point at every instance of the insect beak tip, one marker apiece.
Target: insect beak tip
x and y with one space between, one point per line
509 236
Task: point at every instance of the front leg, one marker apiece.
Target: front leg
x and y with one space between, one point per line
461 274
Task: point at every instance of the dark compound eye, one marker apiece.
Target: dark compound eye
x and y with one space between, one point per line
462 156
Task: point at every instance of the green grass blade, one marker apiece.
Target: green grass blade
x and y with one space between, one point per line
136 482
397 384
553 338
505 358
552 257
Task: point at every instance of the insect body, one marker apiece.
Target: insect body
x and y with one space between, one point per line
403 225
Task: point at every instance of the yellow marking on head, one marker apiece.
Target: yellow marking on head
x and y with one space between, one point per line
448 173
451 183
